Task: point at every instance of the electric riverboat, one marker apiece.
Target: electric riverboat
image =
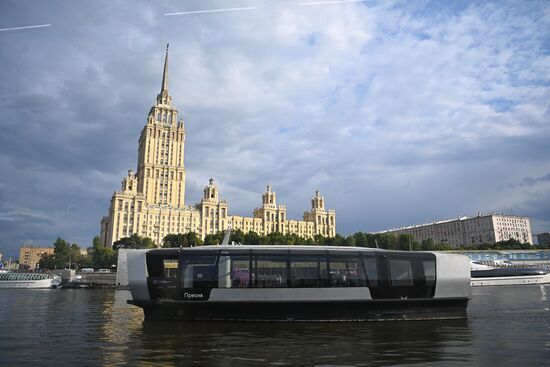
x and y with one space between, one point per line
301 283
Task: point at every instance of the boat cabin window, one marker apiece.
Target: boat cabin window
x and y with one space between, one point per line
234 272
293 271
269 271
371 269
163 275
429 271
308 271
346 272
388 275
199 271
401 272
159 266
171 268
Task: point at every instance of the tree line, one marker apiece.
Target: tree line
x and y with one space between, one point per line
404 242
69 255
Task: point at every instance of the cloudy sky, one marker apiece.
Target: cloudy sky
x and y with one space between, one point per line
399 112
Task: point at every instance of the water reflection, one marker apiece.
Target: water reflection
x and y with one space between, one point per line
339 343
505 326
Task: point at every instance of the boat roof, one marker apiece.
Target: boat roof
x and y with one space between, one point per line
270 247
278 249
287 247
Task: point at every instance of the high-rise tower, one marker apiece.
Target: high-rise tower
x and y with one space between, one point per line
161 171
151 202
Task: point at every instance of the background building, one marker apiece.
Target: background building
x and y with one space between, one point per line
544 238
151 202
29 256
487 228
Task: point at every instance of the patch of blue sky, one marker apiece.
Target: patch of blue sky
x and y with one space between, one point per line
502 104
422 36
287 129
312 39
434 9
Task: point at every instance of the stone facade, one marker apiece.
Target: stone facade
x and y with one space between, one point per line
544 238
151 201
29 256
488 228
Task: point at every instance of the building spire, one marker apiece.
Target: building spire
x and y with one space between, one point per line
164 87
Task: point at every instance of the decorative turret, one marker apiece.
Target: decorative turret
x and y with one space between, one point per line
269 197
318 202
210 193
129 183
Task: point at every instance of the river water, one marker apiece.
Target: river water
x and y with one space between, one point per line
506 326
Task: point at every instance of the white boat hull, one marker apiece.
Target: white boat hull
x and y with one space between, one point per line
512 280
28 284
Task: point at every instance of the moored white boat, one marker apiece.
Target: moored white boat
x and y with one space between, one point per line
13 280
482 275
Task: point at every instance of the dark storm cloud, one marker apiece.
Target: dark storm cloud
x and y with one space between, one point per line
399 113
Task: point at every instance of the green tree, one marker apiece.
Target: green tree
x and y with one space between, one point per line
175 240
275 238
510 244
190 239
96 242
62 252
361 239
134 242
443 247
349 241
251 239
47 261
428 245
64 255
405 242
319 240
388 241
237 236
193 239
104 257
214 239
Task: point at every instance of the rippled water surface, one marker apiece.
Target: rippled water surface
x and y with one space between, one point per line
506 326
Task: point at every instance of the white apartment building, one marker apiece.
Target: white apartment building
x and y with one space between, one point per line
483 228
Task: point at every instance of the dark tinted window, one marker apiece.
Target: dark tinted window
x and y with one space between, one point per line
346 272
401 273
308 271
163 276
371 268
429 271
199 271
269 271
240 271
162 266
